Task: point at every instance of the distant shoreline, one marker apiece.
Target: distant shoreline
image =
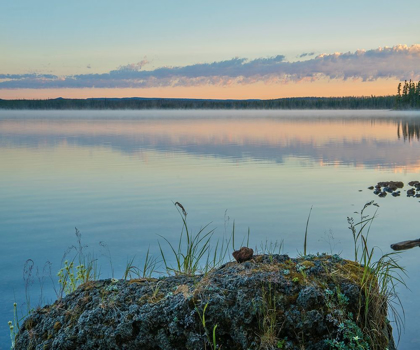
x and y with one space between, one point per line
138 103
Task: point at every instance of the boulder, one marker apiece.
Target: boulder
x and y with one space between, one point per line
269 302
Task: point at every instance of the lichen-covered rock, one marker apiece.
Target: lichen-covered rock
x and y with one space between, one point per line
269 302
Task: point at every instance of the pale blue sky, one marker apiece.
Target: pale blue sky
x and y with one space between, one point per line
65 38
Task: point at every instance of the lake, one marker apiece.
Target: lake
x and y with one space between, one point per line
115 175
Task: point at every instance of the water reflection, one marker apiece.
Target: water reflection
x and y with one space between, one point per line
409 129
356 140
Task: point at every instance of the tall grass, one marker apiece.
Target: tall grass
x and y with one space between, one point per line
147 270
269 247
211 338
72 275
193 252
187 254
269 327
361 228
305 242
379 281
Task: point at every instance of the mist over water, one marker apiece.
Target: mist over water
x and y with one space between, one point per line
115 175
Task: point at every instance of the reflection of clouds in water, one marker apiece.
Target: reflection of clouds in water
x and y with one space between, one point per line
370 153
371 142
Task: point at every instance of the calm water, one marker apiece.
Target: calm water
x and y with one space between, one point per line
115 175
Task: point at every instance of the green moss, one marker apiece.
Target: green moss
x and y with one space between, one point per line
307 264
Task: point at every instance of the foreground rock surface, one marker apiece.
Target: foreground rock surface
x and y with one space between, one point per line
270 302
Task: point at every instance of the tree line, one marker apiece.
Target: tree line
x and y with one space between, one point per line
368 102
408 95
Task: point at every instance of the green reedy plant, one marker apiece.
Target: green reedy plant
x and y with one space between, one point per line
301 270
155 291
216 256
378 282
357 229
270 248
268 318
191 248
210 340
305 242
149 267
232 237
130 269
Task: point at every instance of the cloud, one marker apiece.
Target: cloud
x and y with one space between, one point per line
306 54
27 76
134 66
400 62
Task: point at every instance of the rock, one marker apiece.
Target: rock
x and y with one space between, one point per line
391 184
243 254
382 188
411 192
302 309
309 298
370 188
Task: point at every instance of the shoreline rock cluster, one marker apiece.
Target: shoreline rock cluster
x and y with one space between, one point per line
381 189
268 302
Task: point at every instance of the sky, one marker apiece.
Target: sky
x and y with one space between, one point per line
207 49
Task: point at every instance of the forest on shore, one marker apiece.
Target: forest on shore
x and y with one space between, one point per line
408 97
381 102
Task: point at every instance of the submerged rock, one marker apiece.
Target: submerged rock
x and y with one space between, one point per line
254 305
